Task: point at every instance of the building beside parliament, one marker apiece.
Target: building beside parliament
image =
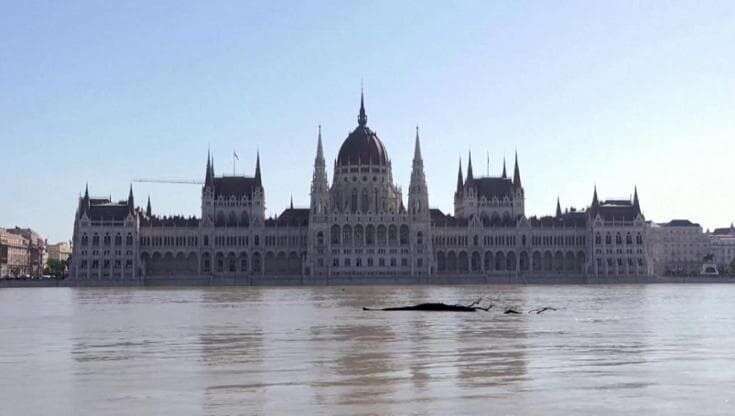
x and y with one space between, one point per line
360 226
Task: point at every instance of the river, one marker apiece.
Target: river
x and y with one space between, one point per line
619 349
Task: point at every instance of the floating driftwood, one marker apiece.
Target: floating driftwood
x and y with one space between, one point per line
511 311
436 307
542 310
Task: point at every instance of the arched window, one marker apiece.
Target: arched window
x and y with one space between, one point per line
618 239
404 234
129 240
639 239
359 235
220 221
118 240
334 234
370 235
364 205
353 201
107 240
244 219
608 239
320 238
419 238
598 238
628 239
85 240
392 235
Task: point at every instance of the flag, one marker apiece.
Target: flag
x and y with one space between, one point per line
234 154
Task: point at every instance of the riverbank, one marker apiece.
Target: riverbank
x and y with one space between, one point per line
373 280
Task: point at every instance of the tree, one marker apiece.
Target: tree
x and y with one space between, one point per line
55 267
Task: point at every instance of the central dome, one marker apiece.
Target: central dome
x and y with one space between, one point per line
362 146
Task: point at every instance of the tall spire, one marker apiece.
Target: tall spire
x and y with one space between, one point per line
148 210
636 203
131 201
595 201
84 203
516 173
418 197
505 174
258 179
558 208
460 181
362 117
291 205
209 175
319 182
417 147
319 148
470 176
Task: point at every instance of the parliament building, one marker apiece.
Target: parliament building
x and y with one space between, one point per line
359 226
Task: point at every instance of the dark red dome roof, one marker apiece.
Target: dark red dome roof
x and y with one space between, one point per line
362 146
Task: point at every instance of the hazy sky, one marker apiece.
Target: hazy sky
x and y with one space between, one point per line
613 93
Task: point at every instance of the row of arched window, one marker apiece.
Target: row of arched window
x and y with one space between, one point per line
369 235
619 239
232 220
106 240
169 241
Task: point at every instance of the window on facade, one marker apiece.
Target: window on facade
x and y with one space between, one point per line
404 234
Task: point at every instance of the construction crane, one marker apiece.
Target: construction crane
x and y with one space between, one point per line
179 181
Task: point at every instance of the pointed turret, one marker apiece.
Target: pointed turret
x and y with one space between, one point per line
209 175
148 210
417 147
85 200
418 196
258 179
460 181
319 182
636 203
131 201
517 174
319 148
505 173
291 205
362 117
595 202
558 208
470 176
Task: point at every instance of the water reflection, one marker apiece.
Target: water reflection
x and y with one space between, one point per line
220 351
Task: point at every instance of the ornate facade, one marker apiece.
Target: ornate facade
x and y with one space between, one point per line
359 227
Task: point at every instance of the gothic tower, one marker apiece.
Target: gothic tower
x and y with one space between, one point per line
319 182
418 196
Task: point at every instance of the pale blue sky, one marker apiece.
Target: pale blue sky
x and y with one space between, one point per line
613 93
